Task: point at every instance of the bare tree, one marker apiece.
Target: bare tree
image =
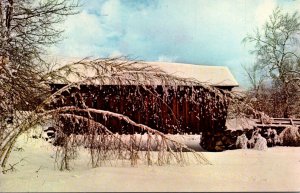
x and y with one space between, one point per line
27 28
276 48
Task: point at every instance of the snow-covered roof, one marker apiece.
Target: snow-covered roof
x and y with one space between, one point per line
210 75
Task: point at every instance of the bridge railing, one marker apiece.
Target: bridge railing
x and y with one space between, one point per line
277 122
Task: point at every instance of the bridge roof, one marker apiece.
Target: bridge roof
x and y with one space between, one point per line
210 75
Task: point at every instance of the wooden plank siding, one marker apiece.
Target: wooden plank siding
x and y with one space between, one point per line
169 109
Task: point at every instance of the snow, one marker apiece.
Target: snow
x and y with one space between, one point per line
276 169
210 75
240 124
261 143
242 141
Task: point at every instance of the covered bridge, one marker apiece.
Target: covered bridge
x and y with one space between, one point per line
172 109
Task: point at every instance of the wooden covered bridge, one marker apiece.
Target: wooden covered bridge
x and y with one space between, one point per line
168 108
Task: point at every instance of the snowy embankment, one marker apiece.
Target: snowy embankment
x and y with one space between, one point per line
276 169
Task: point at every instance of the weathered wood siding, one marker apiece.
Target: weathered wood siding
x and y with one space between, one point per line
169 109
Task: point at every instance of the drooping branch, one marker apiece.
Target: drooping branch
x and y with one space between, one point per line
127 145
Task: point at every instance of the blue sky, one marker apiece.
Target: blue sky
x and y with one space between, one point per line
188 31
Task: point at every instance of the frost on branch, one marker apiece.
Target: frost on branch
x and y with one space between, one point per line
106 147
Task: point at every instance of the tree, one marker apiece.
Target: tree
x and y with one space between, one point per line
276 48
27 28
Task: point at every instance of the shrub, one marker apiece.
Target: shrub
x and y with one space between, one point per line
241 142
290 136
261 143
252 141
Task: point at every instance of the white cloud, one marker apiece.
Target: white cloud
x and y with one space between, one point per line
111 9
264 10
164 58
83 28
116 54
83 34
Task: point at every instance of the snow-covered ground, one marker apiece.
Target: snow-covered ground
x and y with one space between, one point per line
276 169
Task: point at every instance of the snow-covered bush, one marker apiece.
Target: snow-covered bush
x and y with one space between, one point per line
290 136
257 141
241 142
254 137
261 143
273 138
